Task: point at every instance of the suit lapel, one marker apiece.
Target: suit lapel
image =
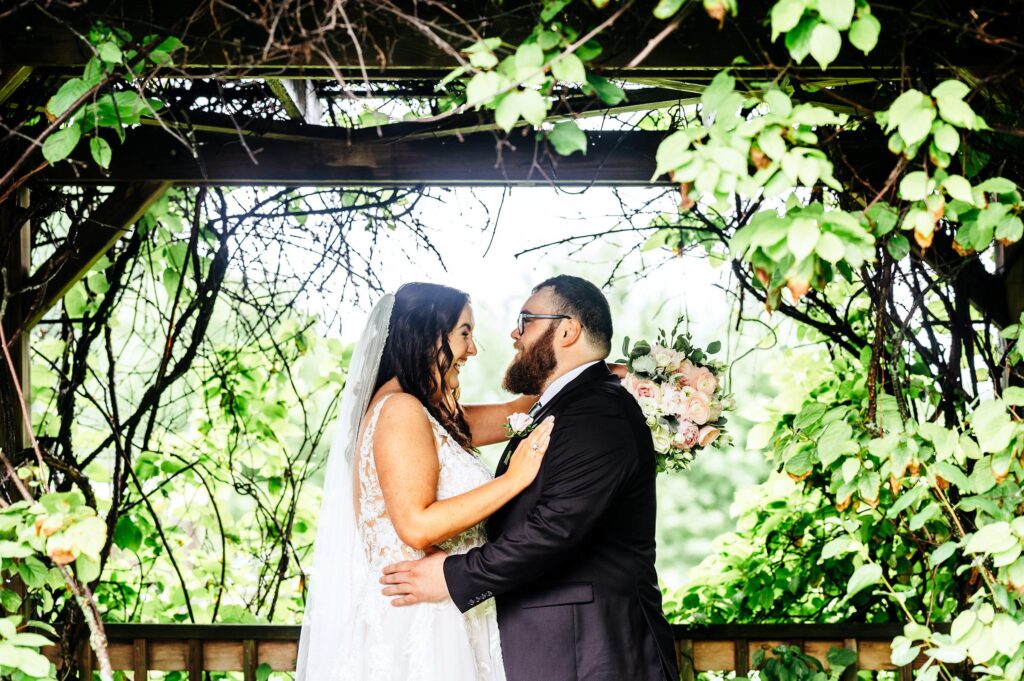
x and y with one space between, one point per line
595 373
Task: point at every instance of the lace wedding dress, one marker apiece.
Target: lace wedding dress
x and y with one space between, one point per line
426 641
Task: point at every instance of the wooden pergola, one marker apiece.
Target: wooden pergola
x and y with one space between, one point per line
37 50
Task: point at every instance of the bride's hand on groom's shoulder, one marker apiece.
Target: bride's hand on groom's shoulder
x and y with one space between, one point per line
619 370
526 460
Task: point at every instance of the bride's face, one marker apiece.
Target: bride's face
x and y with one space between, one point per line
460 340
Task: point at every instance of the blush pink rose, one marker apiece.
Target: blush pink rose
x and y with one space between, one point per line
696 408
707 435
704 381
648 389
686 372
688 435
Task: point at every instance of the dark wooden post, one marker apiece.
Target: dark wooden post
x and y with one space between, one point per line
15 259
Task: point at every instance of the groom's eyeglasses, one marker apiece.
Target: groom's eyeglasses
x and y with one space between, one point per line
526 316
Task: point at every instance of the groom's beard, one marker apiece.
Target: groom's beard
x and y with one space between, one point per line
528 373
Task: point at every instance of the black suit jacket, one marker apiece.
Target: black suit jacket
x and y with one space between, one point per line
571 559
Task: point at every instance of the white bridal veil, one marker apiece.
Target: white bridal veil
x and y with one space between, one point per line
339 563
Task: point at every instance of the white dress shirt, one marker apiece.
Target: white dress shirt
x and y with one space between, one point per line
563 381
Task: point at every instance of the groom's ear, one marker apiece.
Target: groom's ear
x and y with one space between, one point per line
569 333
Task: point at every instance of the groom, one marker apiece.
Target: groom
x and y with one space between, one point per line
571 559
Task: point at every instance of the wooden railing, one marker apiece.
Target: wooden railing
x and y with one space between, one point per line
195 648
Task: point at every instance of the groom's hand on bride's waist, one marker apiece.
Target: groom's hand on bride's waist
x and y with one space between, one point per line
416 581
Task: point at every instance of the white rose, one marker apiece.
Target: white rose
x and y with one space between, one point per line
662 440
664 357
519 422
648 405
645 365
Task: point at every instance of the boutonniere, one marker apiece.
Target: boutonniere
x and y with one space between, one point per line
519 425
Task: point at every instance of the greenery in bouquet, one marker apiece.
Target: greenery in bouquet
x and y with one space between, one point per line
679 389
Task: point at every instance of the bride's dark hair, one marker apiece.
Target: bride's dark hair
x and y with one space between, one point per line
418 354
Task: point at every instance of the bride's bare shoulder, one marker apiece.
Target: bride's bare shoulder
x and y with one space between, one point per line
399 406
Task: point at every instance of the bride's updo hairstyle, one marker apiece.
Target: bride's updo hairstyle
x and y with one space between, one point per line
418 354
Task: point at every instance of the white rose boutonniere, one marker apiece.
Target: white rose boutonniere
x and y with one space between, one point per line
519 425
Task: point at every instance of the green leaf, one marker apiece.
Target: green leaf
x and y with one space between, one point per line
959 188
839 13
589 50
825 44
785 15
898 247
100 151
529 57
1010 230
482 87
552 8
566 137
992 426
69 93
942 554
110 53
798 40
830 247
714 347
914 186
9 600
992 538
1014 396
950 89
665 9
866 575
569 69
802 237
608 92
127 535
958 112
87 570
809 415
946 138
839 658
864 32
60 144
263 671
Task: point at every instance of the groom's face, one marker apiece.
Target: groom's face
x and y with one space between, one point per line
536 360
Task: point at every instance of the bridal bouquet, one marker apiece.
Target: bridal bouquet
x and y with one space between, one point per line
680 392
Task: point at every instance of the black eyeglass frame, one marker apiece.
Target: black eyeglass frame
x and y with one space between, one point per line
523 316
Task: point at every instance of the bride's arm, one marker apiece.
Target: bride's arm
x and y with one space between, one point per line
407 467
487 421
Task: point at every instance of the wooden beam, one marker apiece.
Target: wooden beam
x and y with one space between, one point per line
11 78
221 45
111 220
298 97
152 156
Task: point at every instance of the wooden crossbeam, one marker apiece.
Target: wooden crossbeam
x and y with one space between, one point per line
73 260
11 78
220 45
152 156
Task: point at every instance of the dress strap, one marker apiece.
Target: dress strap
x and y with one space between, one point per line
374 416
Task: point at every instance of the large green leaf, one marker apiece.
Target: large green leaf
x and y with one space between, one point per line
60 144
863 577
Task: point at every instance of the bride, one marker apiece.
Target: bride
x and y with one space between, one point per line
400 480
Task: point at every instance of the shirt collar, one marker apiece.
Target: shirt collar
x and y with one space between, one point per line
563 381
